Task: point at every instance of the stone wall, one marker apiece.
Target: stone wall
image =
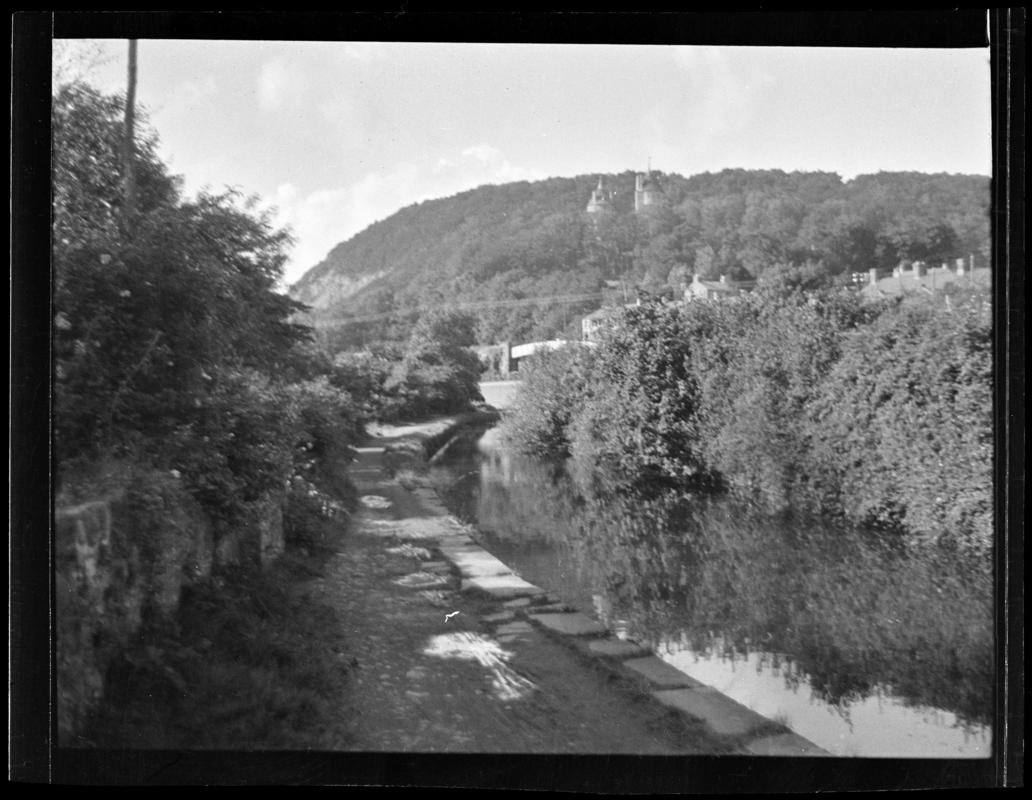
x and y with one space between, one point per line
256 538
126 558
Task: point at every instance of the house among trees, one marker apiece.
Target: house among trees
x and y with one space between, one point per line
594 323
699 289
918 278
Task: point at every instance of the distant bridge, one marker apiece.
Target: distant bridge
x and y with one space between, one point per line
504 358
523 350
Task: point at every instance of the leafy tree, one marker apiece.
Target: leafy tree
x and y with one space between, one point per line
555 384
438 374
145 320
637 428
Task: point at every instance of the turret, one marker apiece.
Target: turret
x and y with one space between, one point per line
601 199
647 191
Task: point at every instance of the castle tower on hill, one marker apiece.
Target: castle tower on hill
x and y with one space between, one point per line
601 199
647 190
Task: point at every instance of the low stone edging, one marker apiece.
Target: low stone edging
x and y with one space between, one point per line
746 731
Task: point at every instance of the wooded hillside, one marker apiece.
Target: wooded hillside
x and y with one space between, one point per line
495 248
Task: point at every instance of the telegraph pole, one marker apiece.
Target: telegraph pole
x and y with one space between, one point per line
128 176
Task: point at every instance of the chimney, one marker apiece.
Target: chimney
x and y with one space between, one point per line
723 278
960 266
919 269
872 276
696 279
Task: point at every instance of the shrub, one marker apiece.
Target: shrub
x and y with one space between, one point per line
555 385
436 373
150 305
240 446
638 430
762 363
901 431
878 412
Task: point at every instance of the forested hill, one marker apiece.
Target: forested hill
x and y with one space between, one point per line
495 248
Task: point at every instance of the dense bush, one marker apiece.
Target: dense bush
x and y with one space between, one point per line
172 346
638 426
901 430
554 385
758 370
880 413
433 373
151 304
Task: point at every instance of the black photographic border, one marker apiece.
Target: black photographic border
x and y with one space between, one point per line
33 756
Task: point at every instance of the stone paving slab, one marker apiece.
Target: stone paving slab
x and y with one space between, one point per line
616 648
722 714
660 674
413 529
474 562
501 586
514 628
453 539
501 616
552 608
575 624
519 602
784 744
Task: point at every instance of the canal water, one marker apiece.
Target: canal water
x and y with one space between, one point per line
863 649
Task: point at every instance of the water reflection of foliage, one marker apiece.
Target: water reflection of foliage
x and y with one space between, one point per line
854 614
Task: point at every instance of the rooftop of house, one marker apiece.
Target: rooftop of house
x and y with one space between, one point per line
913 280
723 285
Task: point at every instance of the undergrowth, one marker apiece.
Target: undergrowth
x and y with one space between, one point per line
245 665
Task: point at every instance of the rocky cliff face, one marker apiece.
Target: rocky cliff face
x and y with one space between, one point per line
330 288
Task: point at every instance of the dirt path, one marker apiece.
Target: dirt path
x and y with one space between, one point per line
431 669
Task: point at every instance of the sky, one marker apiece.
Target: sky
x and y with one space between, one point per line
334 136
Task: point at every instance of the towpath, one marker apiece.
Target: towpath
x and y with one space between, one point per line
435 669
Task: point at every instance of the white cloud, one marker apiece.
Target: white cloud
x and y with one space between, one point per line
715 101
487 162
322 219
280 85
484 153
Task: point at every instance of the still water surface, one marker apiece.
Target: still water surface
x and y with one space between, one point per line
862 649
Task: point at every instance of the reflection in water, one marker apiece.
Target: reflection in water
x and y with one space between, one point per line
860 647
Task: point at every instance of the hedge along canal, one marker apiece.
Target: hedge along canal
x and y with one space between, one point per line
859 648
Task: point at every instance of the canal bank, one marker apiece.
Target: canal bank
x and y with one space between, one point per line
452 651
864 649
